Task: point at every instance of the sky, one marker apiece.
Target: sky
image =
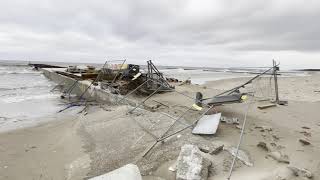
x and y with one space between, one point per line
206 33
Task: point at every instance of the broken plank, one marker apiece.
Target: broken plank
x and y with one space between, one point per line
266 106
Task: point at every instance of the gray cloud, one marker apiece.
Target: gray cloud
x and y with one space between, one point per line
188 32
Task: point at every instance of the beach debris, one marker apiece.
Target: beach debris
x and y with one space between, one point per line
217 149
173 167
264 128
242 156
235 97
233 120
186 82
283 103
302 172
204 148
191 165
267 106
213 148
263 146
278 156
170 79
127 172
196 107
304 141
208 124
305 127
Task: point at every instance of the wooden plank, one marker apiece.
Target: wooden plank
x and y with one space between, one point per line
266 106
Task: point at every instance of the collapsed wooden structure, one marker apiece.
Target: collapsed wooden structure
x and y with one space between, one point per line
125 79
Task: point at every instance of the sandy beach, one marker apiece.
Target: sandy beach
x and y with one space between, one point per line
86 145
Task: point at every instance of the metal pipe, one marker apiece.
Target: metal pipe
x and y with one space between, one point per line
186 126
165 137
145 99
275 81
240 140
238 87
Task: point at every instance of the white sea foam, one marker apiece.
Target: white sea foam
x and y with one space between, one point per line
25 96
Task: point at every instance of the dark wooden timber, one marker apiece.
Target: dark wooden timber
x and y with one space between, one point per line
37 66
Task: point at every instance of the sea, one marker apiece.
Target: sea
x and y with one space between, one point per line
26 98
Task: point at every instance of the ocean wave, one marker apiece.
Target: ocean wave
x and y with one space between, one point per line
25 87
16 99
14 72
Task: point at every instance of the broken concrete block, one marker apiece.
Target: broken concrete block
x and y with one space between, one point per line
242 156
173 167
301 172
191 165
304 141
280 157
208 124
217 149
127 172
213 148
205 149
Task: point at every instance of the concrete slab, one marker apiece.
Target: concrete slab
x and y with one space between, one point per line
190 164
208 124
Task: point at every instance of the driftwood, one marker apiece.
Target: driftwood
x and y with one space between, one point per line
266 106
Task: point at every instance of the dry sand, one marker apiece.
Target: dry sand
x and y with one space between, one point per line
82 146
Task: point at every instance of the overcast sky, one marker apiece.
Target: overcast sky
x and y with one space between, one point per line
216 33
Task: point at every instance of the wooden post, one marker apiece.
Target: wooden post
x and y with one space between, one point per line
275 69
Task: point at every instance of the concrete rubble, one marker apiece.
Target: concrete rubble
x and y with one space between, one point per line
213 149
127 172
227 120
208 124
191 165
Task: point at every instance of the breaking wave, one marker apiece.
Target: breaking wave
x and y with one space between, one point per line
20 98
25 87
